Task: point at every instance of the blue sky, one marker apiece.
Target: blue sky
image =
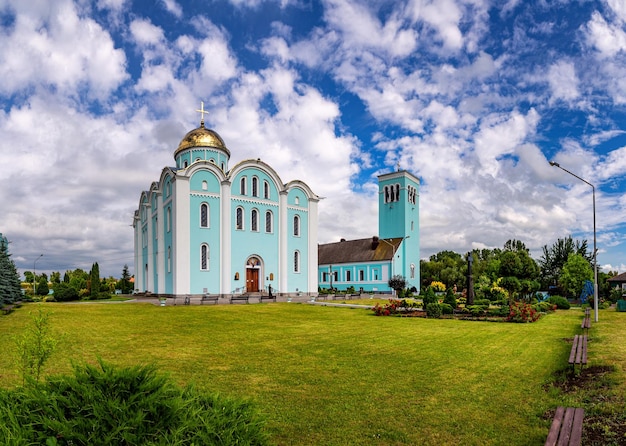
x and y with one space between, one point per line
472 96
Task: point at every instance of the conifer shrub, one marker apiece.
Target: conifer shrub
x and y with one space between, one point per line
428 297
560 302
433 310
105 405
450 298
446 308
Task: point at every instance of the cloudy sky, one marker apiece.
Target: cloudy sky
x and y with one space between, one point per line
472 96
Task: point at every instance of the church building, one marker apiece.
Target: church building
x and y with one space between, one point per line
368 264
208 228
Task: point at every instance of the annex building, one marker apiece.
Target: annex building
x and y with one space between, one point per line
208 228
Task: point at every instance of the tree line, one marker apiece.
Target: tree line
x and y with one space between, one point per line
512 273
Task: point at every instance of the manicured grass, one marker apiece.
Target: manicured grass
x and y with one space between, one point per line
327 375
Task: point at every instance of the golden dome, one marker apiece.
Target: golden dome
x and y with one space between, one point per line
202 137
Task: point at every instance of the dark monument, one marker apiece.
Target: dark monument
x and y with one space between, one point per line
470 280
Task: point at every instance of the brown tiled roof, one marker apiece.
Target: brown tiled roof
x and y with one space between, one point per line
353 251
619 278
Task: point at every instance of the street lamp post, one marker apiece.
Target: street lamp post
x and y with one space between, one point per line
35 275
595 251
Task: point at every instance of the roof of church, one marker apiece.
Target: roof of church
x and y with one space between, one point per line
353 251
202 137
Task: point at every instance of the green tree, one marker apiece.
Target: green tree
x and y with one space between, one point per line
94 276
574 274
55 277
124 283
554 257
42 286
34 347
397 283
10 287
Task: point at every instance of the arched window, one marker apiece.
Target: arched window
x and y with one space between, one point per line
397 192
296 261
169 259
242 186
296 226
239 219
255 187
269 222
412 270
254 220
204 257
266 190
185 164
204 215
205 185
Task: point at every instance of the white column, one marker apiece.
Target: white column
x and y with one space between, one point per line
160 245
137 243
225 238
149 261
313 265
181 237
283 235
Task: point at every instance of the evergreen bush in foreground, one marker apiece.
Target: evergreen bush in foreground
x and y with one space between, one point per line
105 405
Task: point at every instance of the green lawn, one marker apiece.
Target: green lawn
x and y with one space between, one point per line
338 376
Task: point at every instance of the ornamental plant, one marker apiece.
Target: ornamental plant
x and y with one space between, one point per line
438 287
522 312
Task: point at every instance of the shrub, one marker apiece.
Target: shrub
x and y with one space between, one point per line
450 298
475 310
446 308
64 292
482 302
498 312
437 286
545 307
522 312
126 406
429 297
560 302
433 310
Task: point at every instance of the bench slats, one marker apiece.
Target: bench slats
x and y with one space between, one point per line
567 427
583 359
553 435
572 355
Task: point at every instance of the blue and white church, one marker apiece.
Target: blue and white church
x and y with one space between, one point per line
208 228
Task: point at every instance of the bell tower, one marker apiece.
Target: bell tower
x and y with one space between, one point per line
398 217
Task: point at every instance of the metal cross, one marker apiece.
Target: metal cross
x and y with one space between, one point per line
202 112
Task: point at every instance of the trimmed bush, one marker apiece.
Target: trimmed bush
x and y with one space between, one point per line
123 406
433 310
446 308
560 302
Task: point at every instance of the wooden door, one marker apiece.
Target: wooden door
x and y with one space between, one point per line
252 280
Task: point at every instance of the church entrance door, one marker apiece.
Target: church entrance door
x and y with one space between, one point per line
252 280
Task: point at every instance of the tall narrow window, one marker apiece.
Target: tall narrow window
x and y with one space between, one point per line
242 186
361 275
239 218
266 190
204 257
156 228
255 187
348 276
296 225
412 270
169 219
397 192
254 220
204 215
268 222
296 261
169 259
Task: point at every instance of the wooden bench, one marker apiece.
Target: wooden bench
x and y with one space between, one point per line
7 309
578 354
239 298
586 323
567 427
209 298
269 298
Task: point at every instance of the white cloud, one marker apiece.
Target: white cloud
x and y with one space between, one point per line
563 81
608 39
444 16
173 7
70 51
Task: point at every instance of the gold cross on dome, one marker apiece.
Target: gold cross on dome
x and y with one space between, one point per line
202 112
